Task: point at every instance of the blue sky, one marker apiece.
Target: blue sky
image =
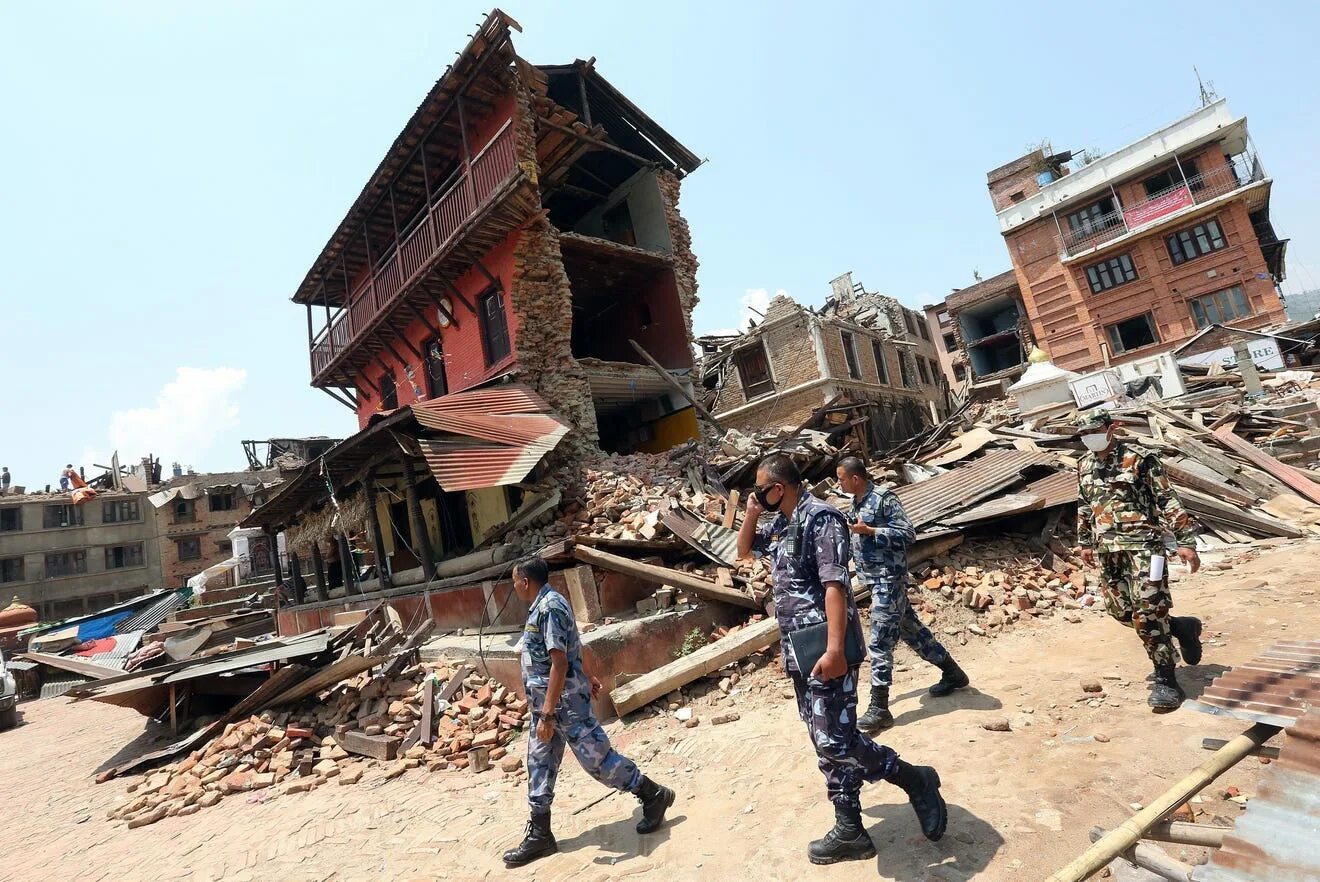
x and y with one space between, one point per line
169 171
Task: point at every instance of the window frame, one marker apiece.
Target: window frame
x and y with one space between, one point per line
75 520
950 342
189 514
1115 341
229 495
753 389
432 384
1195 235
129 561
853 363
1238 300
20 569
881 368
923 371
1086 221
111 509
1111 273
494 293
181 541
17 519
78 557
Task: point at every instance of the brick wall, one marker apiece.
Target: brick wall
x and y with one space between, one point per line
792 356
772 412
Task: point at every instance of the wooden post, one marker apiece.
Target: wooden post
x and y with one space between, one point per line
669 378
416 520
731 510
1152 860
174 711
377 539
346 566
664 576
1126 835
582 594
276 570
299 583
318 562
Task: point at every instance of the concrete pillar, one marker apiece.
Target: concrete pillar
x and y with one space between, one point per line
1247 367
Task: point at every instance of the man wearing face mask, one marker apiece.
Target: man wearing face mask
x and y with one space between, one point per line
808 540
1125 506
881 533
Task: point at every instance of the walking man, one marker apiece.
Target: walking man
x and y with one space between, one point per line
559 693
808 540
881 533
1125 507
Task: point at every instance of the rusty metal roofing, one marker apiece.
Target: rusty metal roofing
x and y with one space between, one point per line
491 436
1278 837
1276 687
927 501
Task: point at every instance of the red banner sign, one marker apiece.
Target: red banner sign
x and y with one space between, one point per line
1154 209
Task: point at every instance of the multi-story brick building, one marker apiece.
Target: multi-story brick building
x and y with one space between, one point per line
65 560
861 348
194 515
1137 250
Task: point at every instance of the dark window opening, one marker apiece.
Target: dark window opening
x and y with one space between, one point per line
907 321
66 563
11 519
225 547
63 516
850 355
754 371
11 569
1201 239
881 369
922 328
959 373
923 370
1220 307
905 372
189 548
389 392
950 343
494 326
121 511
1172 178
1132 333
121 557
437 383
618 224
1017 196
1111 273
1093 218
222 501
185 511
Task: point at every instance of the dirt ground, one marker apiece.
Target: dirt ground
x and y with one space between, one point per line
750 796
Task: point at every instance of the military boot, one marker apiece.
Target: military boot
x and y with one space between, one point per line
1165 693
877 716
922 785
1187 631
954 678
847 841
538 843
656 800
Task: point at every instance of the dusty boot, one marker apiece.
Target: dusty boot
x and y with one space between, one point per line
656 800
877 716
1165 693
1187 631
846 842
954 678
538 843
922 785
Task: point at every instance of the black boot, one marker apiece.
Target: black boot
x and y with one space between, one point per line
538 843
846 842
1187 631
877 716
1165 693
922 785
954 678
655 799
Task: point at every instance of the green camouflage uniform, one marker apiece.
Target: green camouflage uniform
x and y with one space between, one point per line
1126 501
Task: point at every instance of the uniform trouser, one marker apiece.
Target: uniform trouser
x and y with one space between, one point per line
576 726
1133 600
892 617
846 757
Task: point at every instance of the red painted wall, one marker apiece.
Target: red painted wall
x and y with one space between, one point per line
465 357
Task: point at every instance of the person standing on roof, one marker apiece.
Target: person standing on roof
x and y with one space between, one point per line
64 477
559 694
881 534
1126 504
4 479
808 541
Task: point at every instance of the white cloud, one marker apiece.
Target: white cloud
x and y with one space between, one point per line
190 412
755 299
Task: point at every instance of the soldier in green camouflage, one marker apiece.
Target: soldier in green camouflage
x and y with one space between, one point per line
1126 505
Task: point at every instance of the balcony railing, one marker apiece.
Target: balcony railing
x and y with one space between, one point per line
1244 169
419 247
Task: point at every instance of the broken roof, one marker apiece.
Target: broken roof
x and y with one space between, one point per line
995 286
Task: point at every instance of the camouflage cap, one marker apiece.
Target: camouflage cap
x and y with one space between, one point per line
1094 419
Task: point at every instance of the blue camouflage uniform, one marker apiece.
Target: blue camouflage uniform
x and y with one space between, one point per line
550 625
828 707
881 562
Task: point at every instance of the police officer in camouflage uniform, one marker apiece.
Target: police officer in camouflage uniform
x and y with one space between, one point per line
881 533
808 540
1125 506
559 693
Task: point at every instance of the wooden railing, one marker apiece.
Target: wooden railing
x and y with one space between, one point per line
419 248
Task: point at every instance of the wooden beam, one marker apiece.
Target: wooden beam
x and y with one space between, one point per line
731 509
677 386
344 401
318 564
1127 834
1216 460
418 523
377 538
597 142
648 687
1285 473
458 295
659 575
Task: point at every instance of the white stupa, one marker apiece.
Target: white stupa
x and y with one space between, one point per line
1042 384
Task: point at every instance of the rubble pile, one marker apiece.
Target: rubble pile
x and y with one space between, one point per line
362 725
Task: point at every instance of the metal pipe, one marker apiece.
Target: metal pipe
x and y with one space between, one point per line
1182 833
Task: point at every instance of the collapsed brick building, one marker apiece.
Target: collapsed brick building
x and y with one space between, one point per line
489 309
861 350
986 331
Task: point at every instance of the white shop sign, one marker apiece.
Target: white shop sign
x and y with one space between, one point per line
1097 387
1265 354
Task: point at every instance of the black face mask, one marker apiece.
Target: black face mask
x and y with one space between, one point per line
762 496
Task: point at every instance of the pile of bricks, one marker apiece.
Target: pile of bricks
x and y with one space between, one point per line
366 724
627 496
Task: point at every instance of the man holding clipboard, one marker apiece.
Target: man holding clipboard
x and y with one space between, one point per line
823 648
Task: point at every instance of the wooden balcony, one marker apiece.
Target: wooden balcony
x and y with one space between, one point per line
434 239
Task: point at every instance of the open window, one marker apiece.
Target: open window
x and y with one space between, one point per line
850 355
1132 333
389 392
881 368
437 384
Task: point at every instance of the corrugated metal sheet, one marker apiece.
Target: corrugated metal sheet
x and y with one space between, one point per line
1278 837
1059 488
500 434
125 645
1276 687
1008 505
955 490
54 688
152 616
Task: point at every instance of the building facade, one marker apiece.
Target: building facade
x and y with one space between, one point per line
194 515
65 560
1139 249
861 348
